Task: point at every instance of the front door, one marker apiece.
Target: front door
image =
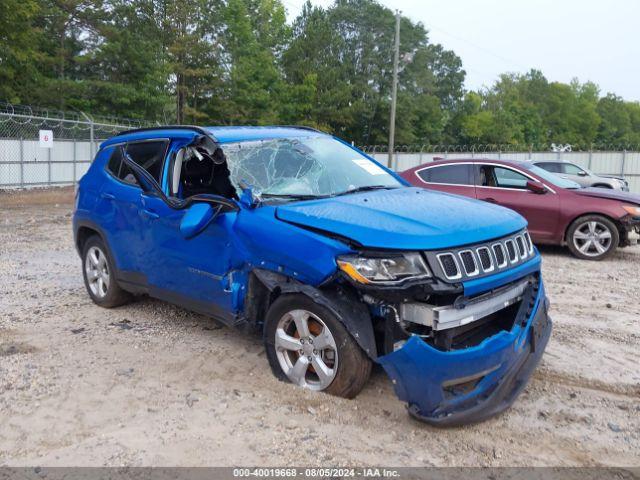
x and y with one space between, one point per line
195 272
507 186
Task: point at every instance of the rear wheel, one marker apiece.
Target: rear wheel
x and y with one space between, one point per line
592 237
99 275
308 346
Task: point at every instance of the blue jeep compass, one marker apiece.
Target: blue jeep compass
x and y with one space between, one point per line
332 258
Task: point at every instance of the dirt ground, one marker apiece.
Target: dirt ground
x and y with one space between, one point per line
152 384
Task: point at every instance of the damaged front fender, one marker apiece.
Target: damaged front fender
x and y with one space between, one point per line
353 314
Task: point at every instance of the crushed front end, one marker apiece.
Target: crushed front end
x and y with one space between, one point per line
460 346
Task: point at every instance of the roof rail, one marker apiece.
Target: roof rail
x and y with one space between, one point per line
168 127
302 127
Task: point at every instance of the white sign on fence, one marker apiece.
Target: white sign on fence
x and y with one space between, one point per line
46 139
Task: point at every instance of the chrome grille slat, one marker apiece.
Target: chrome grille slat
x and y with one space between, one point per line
469 263
527 238
486 261
500 254
511 250
521 248
446 268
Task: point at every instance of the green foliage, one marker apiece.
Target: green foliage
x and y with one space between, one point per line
239 62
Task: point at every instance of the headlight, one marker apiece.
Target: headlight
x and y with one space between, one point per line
632 210
386 270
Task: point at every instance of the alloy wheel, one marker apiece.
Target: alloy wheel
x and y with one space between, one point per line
592 238
96 269
306 350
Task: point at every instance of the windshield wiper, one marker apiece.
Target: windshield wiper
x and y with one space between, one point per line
365 188
292 196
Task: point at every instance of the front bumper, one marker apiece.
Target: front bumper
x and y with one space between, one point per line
467 386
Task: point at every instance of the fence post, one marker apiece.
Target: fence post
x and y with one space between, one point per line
530 151
624 158
91 139
21 162
75 161
590 156
49 166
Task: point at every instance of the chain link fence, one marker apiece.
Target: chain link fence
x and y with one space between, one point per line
25 163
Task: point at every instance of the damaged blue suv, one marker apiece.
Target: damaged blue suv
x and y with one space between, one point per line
336 261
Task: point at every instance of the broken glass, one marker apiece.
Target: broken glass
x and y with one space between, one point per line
303 167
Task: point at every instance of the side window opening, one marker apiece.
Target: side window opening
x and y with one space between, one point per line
450 174
507 178
149 155
571 169
197 170
119 169
550 167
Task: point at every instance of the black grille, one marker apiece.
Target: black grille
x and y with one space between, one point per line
527 239
499 253
511 250
485 258
449 265
468 262
521 248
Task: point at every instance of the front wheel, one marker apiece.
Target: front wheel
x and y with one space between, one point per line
308 346
592 237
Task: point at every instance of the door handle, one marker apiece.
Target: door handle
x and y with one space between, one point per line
490 200
108 196
151 214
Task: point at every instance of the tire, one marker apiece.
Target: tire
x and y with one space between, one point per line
287 348
599 232
99 275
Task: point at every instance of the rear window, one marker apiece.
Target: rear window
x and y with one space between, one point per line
149 155
119 169
550 167
451 174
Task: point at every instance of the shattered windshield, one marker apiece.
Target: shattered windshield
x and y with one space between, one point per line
303 168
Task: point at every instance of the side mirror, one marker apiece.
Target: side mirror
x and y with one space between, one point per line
536 187
196 219
582 173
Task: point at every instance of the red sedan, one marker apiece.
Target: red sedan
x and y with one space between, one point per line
592 222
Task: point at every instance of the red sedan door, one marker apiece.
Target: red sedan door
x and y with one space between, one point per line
507 186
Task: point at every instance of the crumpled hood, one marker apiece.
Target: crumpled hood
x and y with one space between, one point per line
405 218
609 193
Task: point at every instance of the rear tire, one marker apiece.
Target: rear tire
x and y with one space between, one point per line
99 275
297 354
592 237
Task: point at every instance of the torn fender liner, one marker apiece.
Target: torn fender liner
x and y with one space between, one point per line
353 314
470 385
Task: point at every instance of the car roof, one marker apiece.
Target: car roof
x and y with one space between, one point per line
241 134
222 134
514 163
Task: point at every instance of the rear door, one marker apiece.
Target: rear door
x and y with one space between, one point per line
449 177
507 186
119 211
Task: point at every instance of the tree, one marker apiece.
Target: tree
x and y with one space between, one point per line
18 52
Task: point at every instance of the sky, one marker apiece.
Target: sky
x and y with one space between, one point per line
594 40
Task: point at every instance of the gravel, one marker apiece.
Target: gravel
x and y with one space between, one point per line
153 384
